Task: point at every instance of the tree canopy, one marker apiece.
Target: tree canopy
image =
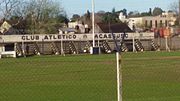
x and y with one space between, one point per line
110 17
41 16
157 11
174 6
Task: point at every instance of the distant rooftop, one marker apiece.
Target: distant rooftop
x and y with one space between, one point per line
115 28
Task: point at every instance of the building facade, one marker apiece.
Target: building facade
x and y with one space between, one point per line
167 19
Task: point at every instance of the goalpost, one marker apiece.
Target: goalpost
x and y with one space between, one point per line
119 67
119 76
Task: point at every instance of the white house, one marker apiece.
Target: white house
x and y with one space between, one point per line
164 20
81 27
122 17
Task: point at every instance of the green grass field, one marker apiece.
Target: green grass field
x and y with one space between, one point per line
148 76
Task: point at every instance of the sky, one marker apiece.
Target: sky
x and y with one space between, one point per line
81 6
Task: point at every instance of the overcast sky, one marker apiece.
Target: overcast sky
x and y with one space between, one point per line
81 6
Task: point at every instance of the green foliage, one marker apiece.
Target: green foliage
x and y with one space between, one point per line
110 17
45 16
41 16
75 17
124 11
134 14
86 18
88 14
157 11
145 14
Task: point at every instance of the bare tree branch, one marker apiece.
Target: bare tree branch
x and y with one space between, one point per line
1 2
7 7
174 6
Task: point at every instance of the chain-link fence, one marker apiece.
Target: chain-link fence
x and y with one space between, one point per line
151 76
72 74
58 78
147 76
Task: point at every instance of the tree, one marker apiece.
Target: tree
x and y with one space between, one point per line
106 18
88 16
145 14
174 6
113 17
75 17
110 17
133 14
42 16
157 11
124 12
101 12
150 12
7 7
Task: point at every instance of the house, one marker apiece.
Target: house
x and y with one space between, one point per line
122 17
79 26
166 19
67 31
12 27
8 27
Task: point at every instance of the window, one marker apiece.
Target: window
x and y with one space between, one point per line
9 47
166 23
150 23
161 24
156 24
146 23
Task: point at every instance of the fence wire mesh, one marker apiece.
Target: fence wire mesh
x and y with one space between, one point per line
57 78
147 76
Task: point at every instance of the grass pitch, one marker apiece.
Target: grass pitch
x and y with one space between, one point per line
148 76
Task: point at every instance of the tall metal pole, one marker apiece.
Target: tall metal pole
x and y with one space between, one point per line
179 11
62 51
23 49
133 42
93 26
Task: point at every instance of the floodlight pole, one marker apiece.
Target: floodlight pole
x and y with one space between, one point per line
93 26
